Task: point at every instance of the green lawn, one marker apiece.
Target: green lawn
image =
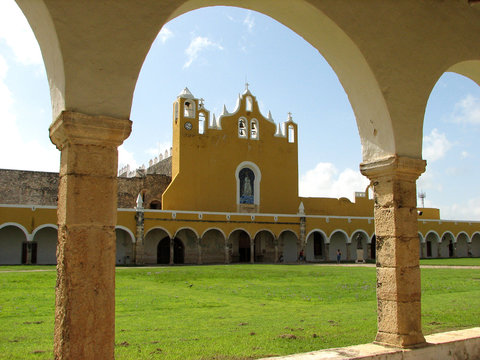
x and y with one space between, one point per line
452 262
232 312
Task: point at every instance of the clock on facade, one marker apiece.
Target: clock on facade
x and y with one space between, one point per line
188 125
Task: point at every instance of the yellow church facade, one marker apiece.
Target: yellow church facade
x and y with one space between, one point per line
233 197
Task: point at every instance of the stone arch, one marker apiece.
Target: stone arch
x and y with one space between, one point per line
125 241
110 92
461 244
432 240
475 245
316 248
185 246
45 237
288 244
12 236
264 246
467 68
213 246
151 241
338 241
239 244
446 245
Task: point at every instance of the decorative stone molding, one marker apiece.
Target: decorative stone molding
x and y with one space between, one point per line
82 129
399 165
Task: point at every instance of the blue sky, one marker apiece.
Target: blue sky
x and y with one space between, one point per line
213 51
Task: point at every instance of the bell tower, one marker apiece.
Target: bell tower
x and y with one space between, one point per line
190 119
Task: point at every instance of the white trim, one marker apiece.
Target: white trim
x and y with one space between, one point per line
215 228
28 237
435 233
258 178
325 237
451 234
289 230
265 230
53 226
186 228
241 229
158 228
340 231
25 206
121 227
460 233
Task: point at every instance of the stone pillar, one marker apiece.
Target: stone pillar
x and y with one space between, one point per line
252 251
396 229
422 249
172 251
139 241
227 252
275 243
199 248
86 215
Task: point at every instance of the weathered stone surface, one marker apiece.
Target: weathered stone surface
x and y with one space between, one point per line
398 284
393 251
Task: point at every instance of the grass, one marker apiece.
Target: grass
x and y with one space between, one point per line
452 262
232 312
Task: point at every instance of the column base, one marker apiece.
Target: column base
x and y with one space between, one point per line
400 340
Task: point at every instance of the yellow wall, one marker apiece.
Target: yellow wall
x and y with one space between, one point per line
204 165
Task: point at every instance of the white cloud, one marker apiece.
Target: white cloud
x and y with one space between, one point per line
469 210
467 110
18 153
17 34
326 181
464 154
126 157
159 149
164 35
249 21
197 45
435 146
429 181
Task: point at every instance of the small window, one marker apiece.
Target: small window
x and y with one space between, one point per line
249 106
201 123
254 129
189 109
291 134
242 128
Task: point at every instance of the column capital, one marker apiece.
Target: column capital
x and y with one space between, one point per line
72 127
400 166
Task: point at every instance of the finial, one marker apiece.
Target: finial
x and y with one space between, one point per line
246 85
201 102
289 116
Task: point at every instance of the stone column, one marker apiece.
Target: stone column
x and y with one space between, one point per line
422 249
252 251
396 229
172 251
86 215
327 251
199 248
139 244
275 243
227 251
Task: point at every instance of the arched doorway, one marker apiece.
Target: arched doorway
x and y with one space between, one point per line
288 241
316 248
264 247
46 246
124 247
462 245
338 241
213 247
239 241
11 240
163 251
